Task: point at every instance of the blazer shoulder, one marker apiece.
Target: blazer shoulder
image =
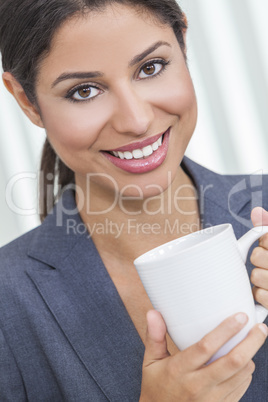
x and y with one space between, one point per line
227 198
226 184
204 175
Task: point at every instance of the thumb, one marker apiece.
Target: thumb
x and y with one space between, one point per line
259 216
155 343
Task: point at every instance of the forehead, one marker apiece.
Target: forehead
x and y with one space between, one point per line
117 29
109 19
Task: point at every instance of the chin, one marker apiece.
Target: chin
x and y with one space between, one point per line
152 185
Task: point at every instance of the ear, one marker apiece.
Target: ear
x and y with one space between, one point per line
14 87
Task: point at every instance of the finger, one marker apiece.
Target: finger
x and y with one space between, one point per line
263 242
200 353
259 277
228 386
155 343
230 364
235 387
261 296
259 257
259 216
239 391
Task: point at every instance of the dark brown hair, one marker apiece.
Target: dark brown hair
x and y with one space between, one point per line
26 31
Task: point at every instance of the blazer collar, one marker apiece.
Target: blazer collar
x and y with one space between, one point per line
59 233
225 199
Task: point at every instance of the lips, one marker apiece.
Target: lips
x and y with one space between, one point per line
140 157
138 145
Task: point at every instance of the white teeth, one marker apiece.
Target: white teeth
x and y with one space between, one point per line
147 151
155 146
128 155
139 153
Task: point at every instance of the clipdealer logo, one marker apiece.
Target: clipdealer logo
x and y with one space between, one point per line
130 226
252 185
165 203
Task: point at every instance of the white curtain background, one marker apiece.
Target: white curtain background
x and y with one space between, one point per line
228 61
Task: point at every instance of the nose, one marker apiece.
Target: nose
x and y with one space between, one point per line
133 114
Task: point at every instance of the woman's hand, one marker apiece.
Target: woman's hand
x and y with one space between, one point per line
184 376
259 258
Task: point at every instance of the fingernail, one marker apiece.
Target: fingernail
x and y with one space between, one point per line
241 318
264 329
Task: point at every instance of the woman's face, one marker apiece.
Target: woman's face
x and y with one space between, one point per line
112 89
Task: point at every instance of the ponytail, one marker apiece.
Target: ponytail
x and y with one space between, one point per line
54 175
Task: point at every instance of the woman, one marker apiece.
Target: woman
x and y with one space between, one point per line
108 81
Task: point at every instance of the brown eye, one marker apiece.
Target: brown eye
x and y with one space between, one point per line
84 92
149 69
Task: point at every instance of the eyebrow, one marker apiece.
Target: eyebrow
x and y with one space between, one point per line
80 76
148 51
97 74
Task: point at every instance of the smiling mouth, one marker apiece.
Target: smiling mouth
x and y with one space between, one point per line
141 157
139 153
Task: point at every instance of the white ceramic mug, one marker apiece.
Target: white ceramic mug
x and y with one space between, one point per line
198 280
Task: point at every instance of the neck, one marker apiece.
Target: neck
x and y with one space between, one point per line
128 230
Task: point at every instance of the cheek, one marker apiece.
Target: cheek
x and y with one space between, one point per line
182 100
176 97
74 126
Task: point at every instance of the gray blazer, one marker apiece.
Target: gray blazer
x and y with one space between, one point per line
65 334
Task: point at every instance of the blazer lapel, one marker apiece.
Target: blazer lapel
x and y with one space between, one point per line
83 299
224 200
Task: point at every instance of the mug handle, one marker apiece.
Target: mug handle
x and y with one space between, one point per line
244 244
